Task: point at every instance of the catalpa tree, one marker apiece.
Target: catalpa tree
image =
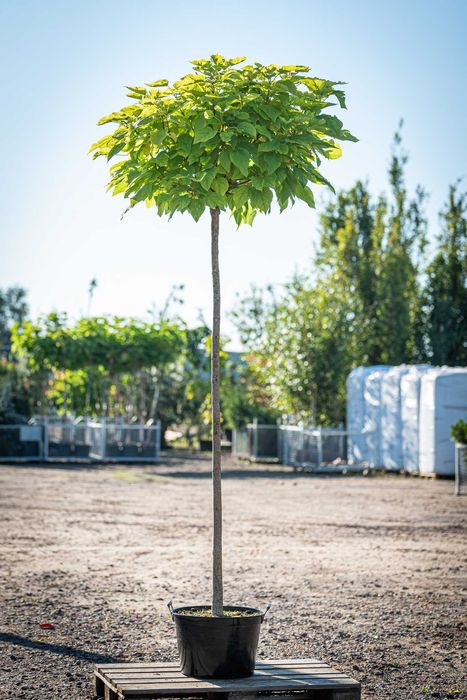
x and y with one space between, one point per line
224 138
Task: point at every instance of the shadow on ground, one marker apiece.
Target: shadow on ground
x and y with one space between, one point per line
61 649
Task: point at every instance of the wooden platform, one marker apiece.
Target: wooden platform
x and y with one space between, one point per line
289 678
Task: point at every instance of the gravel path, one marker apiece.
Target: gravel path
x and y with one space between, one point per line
367 573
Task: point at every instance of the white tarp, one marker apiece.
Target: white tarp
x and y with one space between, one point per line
372 419
391 422
443 401
356 413
410 409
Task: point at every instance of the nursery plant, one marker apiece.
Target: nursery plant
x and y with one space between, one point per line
459 432
225 138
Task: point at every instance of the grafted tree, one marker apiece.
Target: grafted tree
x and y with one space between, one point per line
224 138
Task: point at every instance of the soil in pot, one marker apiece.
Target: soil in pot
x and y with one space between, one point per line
217 647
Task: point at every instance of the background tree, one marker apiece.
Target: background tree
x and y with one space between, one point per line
14 389
360 305
223 139
445 294
98 366
13 309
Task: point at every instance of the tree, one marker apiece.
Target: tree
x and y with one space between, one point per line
445 293
223 139
103 365
374 251
14 392
361 303
13 309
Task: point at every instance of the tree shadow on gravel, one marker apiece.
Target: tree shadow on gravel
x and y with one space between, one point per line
247 473
62 649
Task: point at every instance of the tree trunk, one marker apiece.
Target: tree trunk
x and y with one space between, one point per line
217 587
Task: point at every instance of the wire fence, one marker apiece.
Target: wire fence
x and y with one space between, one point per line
257 442
306 448
296 446
82 440
22 443
115 442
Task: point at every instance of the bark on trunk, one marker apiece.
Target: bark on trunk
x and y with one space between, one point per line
217 586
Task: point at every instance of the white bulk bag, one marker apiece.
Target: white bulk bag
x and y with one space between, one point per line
410 408
357 438
391 421
372 420
443 401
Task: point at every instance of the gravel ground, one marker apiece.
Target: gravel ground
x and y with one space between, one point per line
366 573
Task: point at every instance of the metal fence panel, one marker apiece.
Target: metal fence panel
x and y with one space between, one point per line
240 443
265 442
66 441
21 443
307 447
257 441
62 440
124 443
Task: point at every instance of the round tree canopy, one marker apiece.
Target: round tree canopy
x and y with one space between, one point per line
224 137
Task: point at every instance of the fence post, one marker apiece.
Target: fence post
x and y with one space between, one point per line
159 439
457 471
302 447
255 438
103 440
341 442
279 440
320 446
45 446
285 445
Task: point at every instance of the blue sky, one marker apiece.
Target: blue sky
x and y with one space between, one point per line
64 64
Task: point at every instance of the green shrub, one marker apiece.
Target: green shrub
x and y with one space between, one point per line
459 431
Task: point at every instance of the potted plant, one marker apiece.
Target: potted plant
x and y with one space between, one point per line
459 435
223 138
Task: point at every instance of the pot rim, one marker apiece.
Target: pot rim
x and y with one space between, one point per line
245 608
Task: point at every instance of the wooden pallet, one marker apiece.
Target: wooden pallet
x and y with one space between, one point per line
294 679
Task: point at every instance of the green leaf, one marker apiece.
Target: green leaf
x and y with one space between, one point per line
270 111
115 149
220 185
306 195
257 182
204 134
139 91
114 117
241 159
272 162
185 142
207 177
224 160
196 209
262 199
240 196
347 136
333 152
293 69
247 128
340 95
158 136
226 136
158 83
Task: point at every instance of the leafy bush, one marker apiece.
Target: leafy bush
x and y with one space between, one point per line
459 432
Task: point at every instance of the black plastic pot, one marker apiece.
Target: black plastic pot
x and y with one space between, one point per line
217 647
